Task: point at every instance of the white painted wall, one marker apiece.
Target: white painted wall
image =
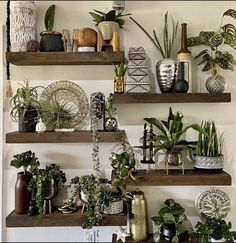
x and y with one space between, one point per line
76 158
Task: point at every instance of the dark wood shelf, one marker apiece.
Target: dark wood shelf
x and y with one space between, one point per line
175 178
64 58
171 98
64 137
59 219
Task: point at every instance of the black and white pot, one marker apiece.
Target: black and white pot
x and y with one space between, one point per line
213 164
51 41
28 119
110 124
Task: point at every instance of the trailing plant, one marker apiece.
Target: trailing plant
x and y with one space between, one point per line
110 110
120 70
169 135
27 160
111 15
212 57
210 143
165 49
25 99
171 214
41 176
49 18
123 163
215 228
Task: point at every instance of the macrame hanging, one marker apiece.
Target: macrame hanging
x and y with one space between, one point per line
8 88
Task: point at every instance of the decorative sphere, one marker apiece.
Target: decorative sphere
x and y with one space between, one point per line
86 37
32 46
181 86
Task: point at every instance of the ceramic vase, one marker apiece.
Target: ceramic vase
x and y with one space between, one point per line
110 124
215 84
22 24
107 29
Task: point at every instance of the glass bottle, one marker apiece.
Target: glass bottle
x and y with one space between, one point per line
184 55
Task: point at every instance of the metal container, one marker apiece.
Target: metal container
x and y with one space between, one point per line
167 72
139 217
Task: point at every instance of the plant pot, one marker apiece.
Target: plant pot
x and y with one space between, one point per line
168 231
107 29
167 72
51 41
22 195
217 240
119 83
215 84
110 124
173 157
28 120
114 207
213 164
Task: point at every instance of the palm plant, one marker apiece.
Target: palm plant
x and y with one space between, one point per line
168 40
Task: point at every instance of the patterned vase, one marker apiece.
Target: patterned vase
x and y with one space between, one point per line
215 84
22 24
110 124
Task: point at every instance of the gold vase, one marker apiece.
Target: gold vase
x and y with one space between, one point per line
139 217
119 85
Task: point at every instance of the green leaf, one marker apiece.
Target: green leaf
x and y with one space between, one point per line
216 39
231 13
175 239
181 228
169 218
49 18
110 16
194 41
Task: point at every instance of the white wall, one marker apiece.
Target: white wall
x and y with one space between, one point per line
76 158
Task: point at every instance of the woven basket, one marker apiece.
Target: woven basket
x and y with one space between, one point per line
114 207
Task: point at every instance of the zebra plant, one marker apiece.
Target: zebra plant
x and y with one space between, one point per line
212 57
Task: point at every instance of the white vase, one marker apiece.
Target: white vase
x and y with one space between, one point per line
22 24
107 29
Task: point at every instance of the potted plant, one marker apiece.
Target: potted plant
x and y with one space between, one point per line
29 162
57 115
169 137
171 222
166 69
119 81
25 107
123 162
111 123
50 40
46 182
212 56
209 148
108 22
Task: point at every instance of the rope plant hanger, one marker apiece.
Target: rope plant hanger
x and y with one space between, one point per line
8 90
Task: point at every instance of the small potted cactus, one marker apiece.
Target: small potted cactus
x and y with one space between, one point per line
119 79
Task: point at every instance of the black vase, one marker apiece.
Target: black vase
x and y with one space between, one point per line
51 41
181 85
28 119
169 231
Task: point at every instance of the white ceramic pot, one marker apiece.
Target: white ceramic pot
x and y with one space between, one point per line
22 24
209 163
107 28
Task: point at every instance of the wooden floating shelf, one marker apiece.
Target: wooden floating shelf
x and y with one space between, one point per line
171 98
59 219
63 137
175 178
64 58
149 240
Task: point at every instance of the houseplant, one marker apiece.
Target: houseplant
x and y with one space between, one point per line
123 162
209 148
29 162
25 107
50 40
119 81
169 137
212 56
45 182
171 222
110 123
167 65
108 22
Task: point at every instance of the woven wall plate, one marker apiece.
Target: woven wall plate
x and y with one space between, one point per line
213 203
72 96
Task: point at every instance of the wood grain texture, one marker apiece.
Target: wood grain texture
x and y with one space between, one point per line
171 98
175 178
59 219
64 58
64 137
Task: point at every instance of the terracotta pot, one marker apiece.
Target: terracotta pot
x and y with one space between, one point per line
107 29
22 195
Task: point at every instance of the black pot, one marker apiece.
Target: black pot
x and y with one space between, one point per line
168 231
28 119
51 41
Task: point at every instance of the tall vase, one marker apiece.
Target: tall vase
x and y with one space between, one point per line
22 195
215 84
167 72
22 24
